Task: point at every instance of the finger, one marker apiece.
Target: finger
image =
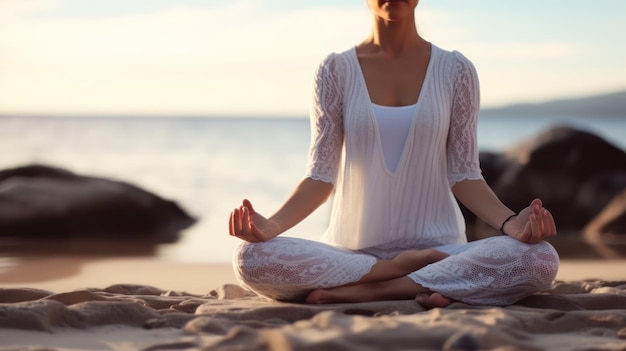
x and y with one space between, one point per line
244 232
245 220
536 229
231 227
544 224
550 226
236 222
536 208
526 234
543 220
248 205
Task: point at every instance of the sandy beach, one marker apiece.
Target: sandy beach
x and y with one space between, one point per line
75 302
64 273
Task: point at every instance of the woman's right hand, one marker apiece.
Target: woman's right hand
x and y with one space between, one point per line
246 224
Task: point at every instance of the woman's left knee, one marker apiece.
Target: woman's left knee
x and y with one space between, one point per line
545 260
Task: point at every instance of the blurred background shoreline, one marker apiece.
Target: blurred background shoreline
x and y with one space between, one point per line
209 164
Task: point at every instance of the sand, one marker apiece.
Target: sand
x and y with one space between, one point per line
75 302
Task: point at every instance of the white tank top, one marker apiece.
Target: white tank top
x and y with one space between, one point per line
394 123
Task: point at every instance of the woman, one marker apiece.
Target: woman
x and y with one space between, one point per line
394 136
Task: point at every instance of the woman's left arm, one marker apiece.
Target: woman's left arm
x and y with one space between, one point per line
533 224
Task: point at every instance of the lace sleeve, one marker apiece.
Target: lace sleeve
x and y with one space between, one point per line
463 161
326 123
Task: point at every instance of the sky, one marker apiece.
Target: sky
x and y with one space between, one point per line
258 57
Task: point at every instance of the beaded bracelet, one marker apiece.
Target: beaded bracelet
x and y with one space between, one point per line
506 220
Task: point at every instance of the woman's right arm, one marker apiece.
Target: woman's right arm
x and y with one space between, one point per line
246 224
322 166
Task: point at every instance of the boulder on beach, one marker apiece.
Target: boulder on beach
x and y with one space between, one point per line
556 165
576 173
43 202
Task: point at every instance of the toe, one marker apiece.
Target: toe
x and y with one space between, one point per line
423 300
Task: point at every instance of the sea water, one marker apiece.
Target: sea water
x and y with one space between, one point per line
208 165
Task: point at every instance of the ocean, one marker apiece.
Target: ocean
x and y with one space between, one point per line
208 165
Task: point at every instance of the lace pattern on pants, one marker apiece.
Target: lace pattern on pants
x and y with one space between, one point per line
493 271
287 268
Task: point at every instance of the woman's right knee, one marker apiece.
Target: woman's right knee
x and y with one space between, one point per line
243 259
254 262
258 270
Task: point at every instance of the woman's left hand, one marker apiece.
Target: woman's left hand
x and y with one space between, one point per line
532 224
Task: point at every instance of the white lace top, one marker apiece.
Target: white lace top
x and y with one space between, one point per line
413 206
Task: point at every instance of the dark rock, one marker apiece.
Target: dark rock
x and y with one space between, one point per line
596 193
576 174
133 289
22 294
555 166
493 164
37 171
41 202
462 341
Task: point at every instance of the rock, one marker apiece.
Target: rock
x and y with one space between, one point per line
493 165
554 166
577 174
462 341
596 193
134 289
22 294
41 202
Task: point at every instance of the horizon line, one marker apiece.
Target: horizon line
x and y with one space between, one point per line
277 115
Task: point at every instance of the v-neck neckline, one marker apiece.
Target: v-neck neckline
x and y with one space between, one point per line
409 140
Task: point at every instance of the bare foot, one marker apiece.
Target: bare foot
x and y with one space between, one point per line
412 260
396 289
406 262
338 295
387 280
432 300
315 296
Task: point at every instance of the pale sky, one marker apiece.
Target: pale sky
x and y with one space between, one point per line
257 57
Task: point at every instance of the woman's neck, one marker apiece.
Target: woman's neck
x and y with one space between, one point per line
394 37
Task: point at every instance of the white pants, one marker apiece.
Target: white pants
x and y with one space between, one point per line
496 271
